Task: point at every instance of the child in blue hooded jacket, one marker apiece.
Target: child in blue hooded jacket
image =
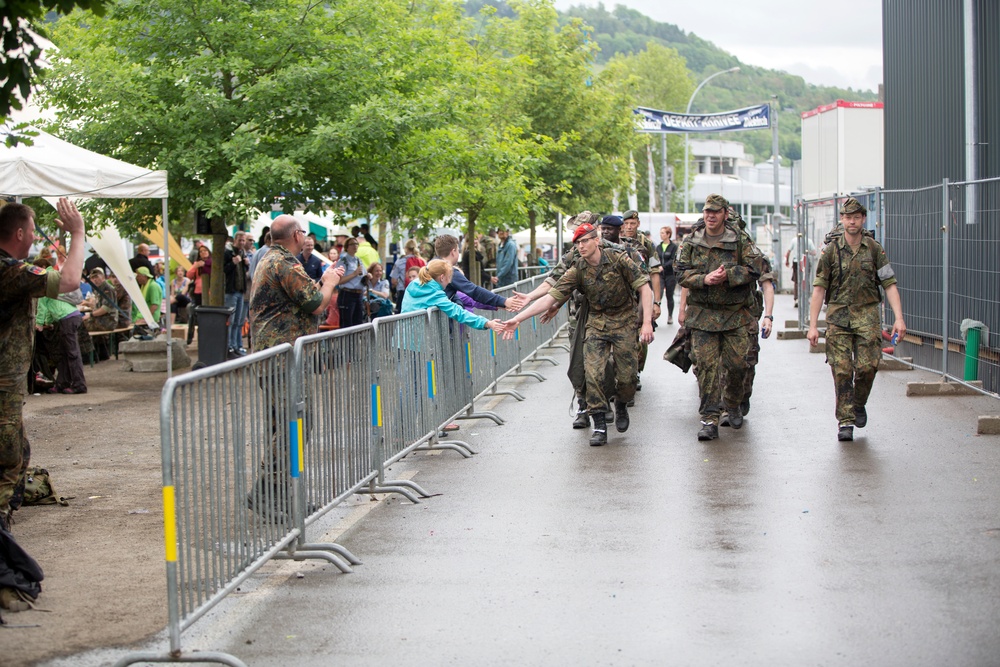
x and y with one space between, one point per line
427 291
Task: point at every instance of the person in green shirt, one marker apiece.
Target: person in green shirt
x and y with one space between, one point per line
65 321
152 294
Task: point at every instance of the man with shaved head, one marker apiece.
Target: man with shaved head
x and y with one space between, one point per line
141 258
284 300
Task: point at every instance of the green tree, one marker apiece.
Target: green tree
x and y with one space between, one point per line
21 23
658 79
226 96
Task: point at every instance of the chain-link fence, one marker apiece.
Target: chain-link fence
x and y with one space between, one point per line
943 242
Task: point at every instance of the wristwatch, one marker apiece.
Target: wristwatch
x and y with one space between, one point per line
770 317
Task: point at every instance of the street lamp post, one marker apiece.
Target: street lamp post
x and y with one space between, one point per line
687 188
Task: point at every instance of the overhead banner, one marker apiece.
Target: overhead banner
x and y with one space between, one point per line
751 118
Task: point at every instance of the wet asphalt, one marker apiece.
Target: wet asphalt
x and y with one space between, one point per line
774 545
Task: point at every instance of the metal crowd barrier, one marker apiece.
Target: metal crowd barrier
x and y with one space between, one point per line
225 450
256 449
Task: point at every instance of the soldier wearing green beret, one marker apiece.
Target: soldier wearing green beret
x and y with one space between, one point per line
849 273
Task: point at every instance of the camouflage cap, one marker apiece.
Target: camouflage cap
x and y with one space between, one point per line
715 203
852 205
586 217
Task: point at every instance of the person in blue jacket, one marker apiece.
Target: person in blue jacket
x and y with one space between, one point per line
427 291
446 248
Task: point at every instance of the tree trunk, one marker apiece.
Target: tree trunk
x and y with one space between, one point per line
470 236
217 288
532 219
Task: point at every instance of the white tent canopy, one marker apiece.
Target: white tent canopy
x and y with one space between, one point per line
52 167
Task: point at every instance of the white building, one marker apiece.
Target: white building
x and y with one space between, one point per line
723 167
842 149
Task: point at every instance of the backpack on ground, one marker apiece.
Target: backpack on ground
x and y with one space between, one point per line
38 489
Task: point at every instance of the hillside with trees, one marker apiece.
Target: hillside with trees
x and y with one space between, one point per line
623 32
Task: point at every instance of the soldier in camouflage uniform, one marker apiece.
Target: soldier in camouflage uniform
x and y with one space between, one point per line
20 283
609 280
719 268
761 306
578 310
632 237
848 275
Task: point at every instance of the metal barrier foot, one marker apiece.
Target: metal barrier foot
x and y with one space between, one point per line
391 489
200 656
544 358
410 485
529 374
484 415
453 445
333 558
507 392
334 547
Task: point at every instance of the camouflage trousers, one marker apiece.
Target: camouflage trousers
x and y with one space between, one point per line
750 371
600 346
853 355
720 366
15 452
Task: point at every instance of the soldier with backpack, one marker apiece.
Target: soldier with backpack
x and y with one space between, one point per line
849 273
720 268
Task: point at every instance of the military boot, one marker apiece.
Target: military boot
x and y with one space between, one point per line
582 416
621 416
735 417
860 417
600 435
708 431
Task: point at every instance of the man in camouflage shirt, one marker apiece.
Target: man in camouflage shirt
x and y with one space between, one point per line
761 307
284 300
632 237
20 283
578 312
849 272
609 280
719 267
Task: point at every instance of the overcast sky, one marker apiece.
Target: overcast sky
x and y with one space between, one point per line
829 43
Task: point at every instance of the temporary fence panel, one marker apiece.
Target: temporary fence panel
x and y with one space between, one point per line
226 498
333 433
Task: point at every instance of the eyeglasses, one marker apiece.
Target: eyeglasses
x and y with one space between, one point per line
299 231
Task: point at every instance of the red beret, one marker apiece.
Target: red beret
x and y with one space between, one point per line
583 230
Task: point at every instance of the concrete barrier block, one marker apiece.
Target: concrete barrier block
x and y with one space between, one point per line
989 425
895 364
150 356
818 347
791 334
941 388
794 324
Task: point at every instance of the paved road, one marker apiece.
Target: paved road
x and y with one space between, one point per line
774 545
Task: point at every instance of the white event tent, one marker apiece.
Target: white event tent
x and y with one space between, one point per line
52 168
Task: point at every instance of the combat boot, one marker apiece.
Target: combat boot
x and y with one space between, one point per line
860 417
621 416
708 431
735 418
745 407
845 433
582 416
600 435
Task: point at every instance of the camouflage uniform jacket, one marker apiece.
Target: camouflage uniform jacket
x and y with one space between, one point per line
489 250
104 298
19 284
572 257
282 300
124 312
852 280
609 288
646 250
720 307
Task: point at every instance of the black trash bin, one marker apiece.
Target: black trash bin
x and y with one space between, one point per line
213 335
